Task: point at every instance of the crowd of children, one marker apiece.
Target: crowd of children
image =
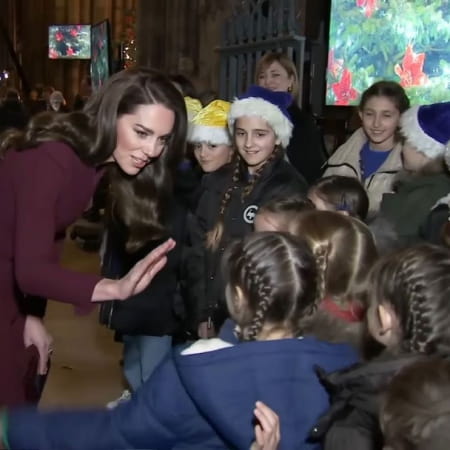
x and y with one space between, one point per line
303 325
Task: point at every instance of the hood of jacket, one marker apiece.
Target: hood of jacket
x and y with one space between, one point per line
225 383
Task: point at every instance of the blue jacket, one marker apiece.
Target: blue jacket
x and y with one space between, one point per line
200 401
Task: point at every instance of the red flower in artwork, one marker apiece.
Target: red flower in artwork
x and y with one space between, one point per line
74 32
369 6
334 65
343 90
411 71
70 51
59 36
52 53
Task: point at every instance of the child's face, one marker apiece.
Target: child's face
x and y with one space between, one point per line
380 118
212 157
255 141
265 221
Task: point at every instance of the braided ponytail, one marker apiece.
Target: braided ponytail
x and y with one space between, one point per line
214 236
321 254
271 283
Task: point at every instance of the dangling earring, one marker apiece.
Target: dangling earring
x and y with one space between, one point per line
290 89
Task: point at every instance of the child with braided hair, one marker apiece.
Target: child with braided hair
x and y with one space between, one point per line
409 314
204 397
261 128
345 251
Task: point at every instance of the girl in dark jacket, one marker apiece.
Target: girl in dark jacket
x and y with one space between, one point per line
409 314
148 320
261 129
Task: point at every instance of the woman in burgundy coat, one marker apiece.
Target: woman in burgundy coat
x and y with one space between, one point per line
48 174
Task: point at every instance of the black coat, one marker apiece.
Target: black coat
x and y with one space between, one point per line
306 149
203 278
352 420
153 311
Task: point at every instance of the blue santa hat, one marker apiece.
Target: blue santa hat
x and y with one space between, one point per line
269 105
427 128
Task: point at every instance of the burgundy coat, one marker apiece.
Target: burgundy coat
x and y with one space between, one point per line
42 191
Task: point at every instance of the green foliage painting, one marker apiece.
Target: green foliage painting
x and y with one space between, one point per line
407 41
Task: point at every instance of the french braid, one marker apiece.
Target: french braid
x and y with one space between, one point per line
415 282
275 276
417 326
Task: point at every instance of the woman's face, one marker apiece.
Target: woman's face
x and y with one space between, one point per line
142 136
276 78
212 157
380 118
255 141
413 160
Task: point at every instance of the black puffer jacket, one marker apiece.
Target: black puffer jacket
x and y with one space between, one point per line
205 286
352 422
153 311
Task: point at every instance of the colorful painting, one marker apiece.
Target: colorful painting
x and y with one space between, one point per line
69 41
401 40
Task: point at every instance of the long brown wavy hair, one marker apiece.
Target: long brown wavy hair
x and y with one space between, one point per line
137 201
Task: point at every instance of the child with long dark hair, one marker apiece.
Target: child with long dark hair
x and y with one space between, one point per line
261 128
373 152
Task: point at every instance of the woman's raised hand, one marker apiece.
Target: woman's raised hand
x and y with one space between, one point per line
137 279
143 272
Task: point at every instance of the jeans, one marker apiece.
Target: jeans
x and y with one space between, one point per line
141 356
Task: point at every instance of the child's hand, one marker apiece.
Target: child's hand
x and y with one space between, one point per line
267 431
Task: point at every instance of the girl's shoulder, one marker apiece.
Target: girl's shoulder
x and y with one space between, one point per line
353 144
282 179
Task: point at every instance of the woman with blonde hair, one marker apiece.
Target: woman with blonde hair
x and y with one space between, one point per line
306 150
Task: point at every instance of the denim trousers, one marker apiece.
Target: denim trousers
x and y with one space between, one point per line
141 356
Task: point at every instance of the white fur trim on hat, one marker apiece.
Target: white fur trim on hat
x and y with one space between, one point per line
254 106
416 136
213 135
